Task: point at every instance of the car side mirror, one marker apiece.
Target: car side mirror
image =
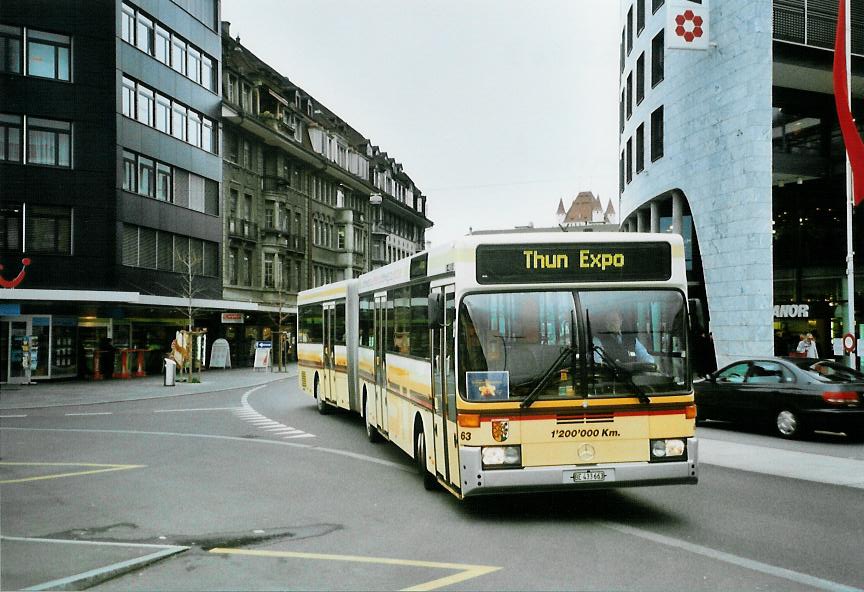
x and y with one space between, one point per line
436 310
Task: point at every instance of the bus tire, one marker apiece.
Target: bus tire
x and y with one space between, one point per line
323 408
430 483
372 433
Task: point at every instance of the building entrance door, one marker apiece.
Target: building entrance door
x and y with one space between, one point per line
13 340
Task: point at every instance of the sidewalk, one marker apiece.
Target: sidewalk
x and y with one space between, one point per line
86 392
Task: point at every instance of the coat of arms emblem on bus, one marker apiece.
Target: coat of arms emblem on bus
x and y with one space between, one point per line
500 428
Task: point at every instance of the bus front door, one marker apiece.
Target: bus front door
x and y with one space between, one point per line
381 363
444 393
328 380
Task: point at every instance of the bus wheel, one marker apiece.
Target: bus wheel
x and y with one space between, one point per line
372 433
429 481
323 408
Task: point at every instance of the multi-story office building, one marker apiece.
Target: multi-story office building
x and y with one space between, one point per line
110 174
737 147
308 199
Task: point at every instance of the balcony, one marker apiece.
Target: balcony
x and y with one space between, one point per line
243 230
281 237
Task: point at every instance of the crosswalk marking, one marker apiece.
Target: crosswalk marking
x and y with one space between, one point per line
262 422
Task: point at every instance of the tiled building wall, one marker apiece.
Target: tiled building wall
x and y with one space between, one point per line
717 152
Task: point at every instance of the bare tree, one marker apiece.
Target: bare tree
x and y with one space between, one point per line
189 265
280 319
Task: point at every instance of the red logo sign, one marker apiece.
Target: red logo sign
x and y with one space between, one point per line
14 283
689 26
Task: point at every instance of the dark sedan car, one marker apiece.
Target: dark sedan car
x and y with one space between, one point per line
793 395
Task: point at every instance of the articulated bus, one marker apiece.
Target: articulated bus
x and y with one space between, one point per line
516 362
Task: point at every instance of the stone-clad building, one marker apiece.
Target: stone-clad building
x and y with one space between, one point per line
308 199
737 147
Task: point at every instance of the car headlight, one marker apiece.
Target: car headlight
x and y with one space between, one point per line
501 456
671 449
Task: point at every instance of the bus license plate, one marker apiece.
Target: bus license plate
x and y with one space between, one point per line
584 476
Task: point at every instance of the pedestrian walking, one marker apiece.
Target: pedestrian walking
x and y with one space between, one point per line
811 351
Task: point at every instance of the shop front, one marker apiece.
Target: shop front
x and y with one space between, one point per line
793 319
37 347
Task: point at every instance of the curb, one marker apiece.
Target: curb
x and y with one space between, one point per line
146 398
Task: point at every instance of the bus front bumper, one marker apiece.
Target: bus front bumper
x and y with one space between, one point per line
479 481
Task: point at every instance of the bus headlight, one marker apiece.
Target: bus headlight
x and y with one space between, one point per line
671 449
501 456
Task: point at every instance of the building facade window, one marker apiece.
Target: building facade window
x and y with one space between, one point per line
164 182
657 59
11 56
143 104
162 45
232 266
269 278
144 34
48 55
11 133
146 101
178 121
11 227
629 30
640 148
640 15
163 114
128 97
640 78
657 134
130 172
49 142
629 99
146 177
49 230
629 163
155 39
178 55
655 5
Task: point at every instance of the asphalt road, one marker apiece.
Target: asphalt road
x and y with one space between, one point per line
253 490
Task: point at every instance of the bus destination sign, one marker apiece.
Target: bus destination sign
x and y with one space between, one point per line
569 262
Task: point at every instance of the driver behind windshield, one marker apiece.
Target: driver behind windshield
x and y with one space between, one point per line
621 346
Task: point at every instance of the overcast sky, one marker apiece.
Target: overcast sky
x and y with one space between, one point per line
496 108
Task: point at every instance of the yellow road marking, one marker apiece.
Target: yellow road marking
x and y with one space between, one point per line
466 571
102 469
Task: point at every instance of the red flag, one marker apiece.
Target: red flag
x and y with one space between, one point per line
854 145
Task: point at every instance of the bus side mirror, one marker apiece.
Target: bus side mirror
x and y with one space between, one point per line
436 310
697 317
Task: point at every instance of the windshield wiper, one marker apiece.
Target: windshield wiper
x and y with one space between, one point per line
550 371
621 371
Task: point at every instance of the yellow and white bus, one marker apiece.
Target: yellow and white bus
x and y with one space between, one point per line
516 362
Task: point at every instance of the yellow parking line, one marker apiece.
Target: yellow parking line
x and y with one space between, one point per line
466 571
102 468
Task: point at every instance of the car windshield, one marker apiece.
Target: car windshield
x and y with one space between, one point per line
827 371
571 344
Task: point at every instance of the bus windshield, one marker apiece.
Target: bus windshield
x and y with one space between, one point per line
572 344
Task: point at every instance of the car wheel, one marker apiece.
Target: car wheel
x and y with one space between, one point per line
788 424
429 481
372 433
